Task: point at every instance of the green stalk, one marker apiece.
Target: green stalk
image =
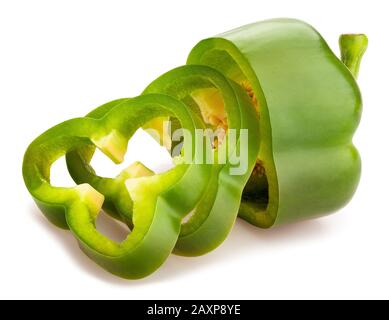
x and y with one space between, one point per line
352 48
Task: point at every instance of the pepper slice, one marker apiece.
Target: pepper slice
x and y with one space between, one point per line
118 203
221 104
218 102
160 201
309 108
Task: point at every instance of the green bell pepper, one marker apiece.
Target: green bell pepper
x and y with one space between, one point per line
309 107
159 202
284 108
204 90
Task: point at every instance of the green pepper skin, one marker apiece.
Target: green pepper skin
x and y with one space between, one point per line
160 202
309 108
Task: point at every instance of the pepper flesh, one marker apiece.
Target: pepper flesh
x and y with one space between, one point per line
309 108
157 212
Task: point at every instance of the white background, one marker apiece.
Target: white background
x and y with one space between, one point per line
60 59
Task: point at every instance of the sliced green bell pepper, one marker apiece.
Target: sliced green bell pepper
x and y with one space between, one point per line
222 104
159 202
309 108
285 109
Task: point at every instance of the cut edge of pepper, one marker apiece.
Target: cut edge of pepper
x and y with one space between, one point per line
261 208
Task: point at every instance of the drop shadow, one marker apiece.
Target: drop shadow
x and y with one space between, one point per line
291 233
71 247
243 238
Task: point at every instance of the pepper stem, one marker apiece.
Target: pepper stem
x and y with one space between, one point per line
352 48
